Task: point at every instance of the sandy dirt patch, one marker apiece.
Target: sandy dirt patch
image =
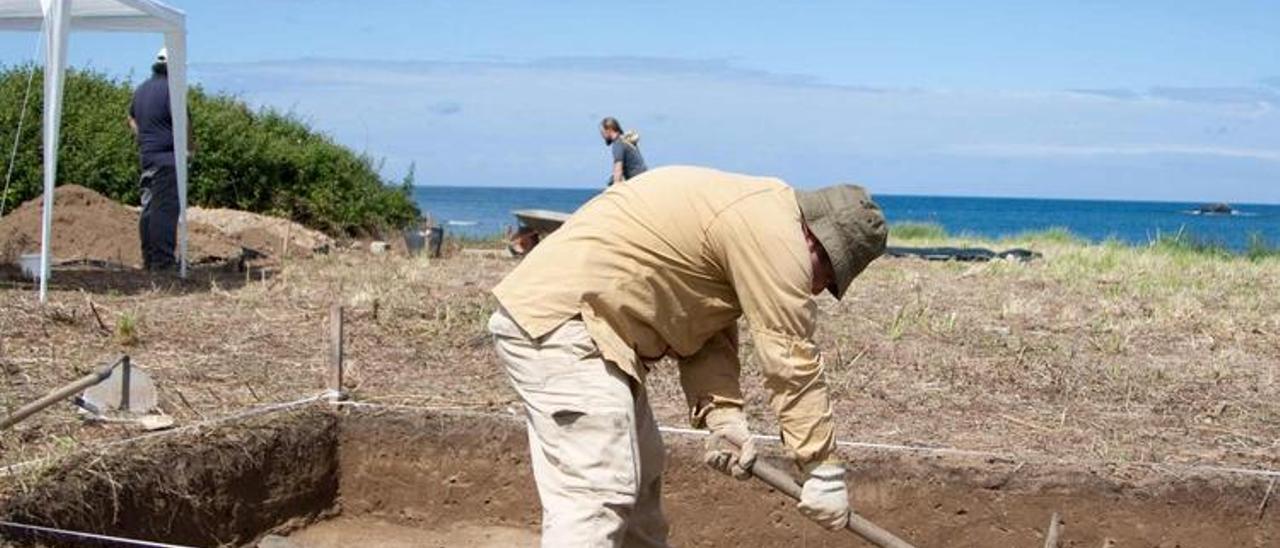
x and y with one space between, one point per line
343 532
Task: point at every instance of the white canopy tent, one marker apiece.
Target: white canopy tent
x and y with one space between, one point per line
57 18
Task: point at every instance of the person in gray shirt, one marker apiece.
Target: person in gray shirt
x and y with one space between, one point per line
627 161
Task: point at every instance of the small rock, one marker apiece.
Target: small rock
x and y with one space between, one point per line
275 541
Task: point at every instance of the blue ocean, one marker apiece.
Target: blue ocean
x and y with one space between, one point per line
483 211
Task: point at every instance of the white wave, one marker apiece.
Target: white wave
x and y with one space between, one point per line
1232 214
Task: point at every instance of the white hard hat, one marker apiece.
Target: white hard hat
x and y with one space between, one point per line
162 56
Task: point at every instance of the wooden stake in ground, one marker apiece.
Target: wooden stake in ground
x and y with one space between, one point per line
102 328
1262 508
284 247
335 350
1055 531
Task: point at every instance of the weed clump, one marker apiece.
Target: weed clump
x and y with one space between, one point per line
127 329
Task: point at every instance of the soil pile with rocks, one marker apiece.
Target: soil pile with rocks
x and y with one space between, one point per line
88 226
264 234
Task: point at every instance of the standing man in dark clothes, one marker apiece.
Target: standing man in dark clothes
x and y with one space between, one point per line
152 125
627 161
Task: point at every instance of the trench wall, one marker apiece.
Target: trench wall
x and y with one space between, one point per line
223 486
232 484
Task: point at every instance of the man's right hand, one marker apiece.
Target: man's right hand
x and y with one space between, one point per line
730 449
824 497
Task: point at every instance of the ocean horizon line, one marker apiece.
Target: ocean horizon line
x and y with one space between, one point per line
895 195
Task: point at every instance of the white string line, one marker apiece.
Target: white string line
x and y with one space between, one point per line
1261 472
856 444
251 412
329 394
454 410
22 115
115 541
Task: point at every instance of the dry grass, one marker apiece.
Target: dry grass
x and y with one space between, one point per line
1096 352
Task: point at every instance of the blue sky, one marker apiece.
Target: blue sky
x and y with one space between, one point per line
1137 100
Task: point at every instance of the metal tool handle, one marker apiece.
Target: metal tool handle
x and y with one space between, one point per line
61 393
784 483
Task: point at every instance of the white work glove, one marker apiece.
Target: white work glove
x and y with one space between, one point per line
730 449
824 498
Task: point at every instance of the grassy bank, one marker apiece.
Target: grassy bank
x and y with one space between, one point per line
1179 244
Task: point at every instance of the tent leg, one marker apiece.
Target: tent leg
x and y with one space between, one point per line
176 43
57 25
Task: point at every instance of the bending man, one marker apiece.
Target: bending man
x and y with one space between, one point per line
666 268
628 163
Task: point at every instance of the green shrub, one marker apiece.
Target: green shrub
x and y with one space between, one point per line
917 231
255 160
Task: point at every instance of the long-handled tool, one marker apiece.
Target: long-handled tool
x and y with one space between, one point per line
62 393
116 393
786 484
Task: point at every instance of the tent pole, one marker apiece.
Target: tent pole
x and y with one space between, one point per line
176 43
57 25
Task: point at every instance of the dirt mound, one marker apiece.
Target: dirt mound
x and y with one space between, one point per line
90 226
263 233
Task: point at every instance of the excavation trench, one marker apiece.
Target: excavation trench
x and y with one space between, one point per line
320 476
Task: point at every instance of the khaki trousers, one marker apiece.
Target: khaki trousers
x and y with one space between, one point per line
596 452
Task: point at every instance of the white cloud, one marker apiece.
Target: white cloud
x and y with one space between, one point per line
533 124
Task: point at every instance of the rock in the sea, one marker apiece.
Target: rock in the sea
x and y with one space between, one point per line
1216 209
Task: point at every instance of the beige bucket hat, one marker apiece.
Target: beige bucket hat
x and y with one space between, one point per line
849 226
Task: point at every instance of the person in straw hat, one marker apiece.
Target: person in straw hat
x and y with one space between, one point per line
667 267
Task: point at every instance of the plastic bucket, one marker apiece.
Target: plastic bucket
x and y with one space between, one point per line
414 240
435 240
30 264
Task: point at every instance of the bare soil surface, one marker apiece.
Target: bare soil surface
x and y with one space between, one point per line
435 470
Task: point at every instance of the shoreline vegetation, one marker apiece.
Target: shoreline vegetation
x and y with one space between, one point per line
1179 244
260 160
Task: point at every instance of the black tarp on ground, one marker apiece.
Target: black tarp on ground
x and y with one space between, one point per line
966 254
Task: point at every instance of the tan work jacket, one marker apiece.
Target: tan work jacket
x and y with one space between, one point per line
665 265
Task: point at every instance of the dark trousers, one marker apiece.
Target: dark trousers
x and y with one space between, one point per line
158 224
